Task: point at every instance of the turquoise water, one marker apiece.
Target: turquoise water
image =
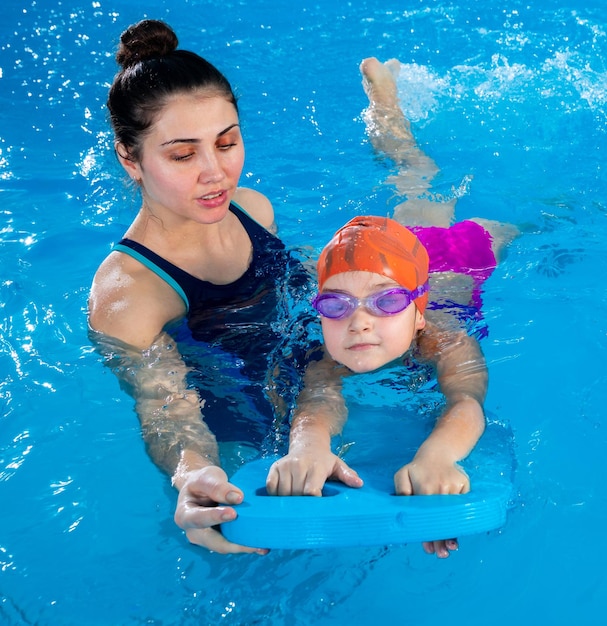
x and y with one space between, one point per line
512 96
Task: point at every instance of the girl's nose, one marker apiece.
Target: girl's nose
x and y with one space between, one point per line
360 320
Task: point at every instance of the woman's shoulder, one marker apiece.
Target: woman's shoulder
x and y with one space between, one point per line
257 206
129 302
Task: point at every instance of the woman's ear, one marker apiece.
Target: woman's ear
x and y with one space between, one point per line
130 165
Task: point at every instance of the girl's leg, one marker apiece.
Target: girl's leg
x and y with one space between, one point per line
390 133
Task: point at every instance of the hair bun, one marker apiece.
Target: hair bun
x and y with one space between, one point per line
147 39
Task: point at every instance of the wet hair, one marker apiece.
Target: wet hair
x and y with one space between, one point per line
153 70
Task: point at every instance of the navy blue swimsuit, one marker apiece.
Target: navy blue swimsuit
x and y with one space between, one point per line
241 340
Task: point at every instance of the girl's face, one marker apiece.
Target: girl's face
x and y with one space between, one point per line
191 160
364 342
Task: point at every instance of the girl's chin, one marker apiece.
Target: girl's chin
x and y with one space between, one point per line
362 367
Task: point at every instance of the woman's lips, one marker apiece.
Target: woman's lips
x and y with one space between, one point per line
212 200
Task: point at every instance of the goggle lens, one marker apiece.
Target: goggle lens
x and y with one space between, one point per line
336 305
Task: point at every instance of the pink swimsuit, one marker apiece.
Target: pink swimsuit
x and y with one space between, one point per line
464 248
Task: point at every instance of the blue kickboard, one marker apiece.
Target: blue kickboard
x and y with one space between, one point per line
368 516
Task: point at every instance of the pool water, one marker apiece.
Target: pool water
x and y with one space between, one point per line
509 100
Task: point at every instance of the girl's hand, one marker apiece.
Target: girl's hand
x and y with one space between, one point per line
431 477
305 473
426 477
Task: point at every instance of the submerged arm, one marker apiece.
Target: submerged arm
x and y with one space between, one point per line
462 378
177 439
320 414
170 412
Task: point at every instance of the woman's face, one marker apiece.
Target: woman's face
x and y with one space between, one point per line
191 159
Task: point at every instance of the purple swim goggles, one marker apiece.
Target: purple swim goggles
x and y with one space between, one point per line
337 306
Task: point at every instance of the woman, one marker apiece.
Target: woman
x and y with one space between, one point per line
199 261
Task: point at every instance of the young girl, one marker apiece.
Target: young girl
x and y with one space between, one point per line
372 298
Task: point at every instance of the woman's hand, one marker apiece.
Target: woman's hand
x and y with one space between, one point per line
200 513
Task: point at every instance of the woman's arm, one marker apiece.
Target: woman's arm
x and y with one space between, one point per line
176 436
169 411
128 308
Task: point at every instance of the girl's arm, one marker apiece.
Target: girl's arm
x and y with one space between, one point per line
462 378
320 414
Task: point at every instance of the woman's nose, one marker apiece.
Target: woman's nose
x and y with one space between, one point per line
210 169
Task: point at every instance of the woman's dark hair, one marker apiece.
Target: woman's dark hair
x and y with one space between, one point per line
153 69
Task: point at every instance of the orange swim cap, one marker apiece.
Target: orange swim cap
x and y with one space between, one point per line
379 245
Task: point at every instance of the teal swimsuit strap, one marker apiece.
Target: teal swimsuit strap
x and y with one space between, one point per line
157 270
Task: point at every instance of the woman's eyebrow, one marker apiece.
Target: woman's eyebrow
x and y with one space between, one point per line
174 141
184 140
228 129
